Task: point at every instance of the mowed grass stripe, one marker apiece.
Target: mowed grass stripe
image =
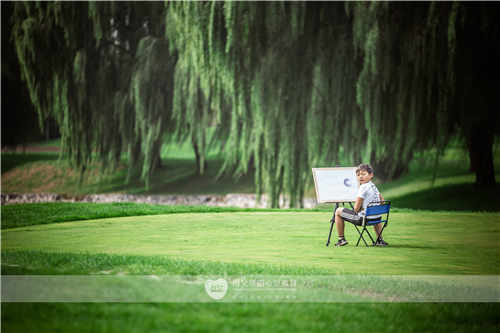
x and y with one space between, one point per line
420 243
250 317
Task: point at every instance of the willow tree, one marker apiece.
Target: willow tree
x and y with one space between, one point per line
20 123
97 68
432 77
321 83
257 64
288 72
289 85
152 95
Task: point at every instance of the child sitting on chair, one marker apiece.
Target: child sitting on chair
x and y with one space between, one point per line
367 194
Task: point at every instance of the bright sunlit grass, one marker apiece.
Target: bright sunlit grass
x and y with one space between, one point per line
420 242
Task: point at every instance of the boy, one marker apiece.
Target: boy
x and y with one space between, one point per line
367 194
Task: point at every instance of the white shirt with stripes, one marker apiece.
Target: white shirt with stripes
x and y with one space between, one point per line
369 193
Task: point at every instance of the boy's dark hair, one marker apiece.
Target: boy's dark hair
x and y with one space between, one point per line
364 167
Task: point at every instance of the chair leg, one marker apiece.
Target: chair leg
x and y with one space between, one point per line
369 235
379 237
360 235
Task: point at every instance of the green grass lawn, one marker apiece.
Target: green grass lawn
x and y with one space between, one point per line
246 242
249 317
42 213
421 243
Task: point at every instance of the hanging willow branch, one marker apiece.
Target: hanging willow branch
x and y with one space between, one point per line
76 59
263 59
284 86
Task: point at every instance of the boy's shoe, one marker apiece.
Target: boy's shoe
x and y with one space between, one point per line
341 242
381 242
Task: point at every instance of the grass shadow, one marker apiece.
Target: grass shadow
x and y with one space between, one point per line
179 176
13 160
417 247
459 197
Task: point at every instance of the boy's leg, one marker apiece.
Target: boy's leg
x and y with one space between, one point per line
378 228
340 227
339 222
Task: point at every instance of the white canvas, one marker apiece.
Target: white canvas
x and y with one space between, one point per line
335 184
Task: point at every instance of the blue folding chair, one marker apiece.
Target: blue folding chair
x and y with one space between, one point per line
374 215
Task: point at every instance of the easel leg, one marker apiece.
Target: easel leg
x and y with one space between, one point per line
332 222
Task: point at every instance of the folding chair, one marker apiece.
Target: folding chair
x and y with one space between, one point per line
374 209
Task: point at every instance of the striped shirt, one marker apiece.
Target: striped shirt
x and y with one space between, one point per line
369 193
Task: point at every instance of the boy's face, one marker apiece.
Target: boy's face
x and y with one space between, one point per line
364 177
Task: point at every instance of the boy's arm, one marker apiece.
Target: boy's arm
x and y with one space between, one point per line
358 204
381 197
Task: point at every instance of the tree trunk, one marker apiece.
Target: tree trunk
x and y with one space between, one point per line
198 158
480 144
197 154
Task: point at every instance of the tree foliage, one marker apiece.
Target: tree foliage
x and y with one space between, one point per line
321 84
287 85
20 122
418 81
101 70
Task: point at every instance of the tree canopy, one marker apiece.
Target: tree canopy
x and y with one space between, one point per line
20 122
287 85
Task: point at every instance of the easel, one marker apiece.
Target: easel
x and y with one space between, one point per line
332 221
337 185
